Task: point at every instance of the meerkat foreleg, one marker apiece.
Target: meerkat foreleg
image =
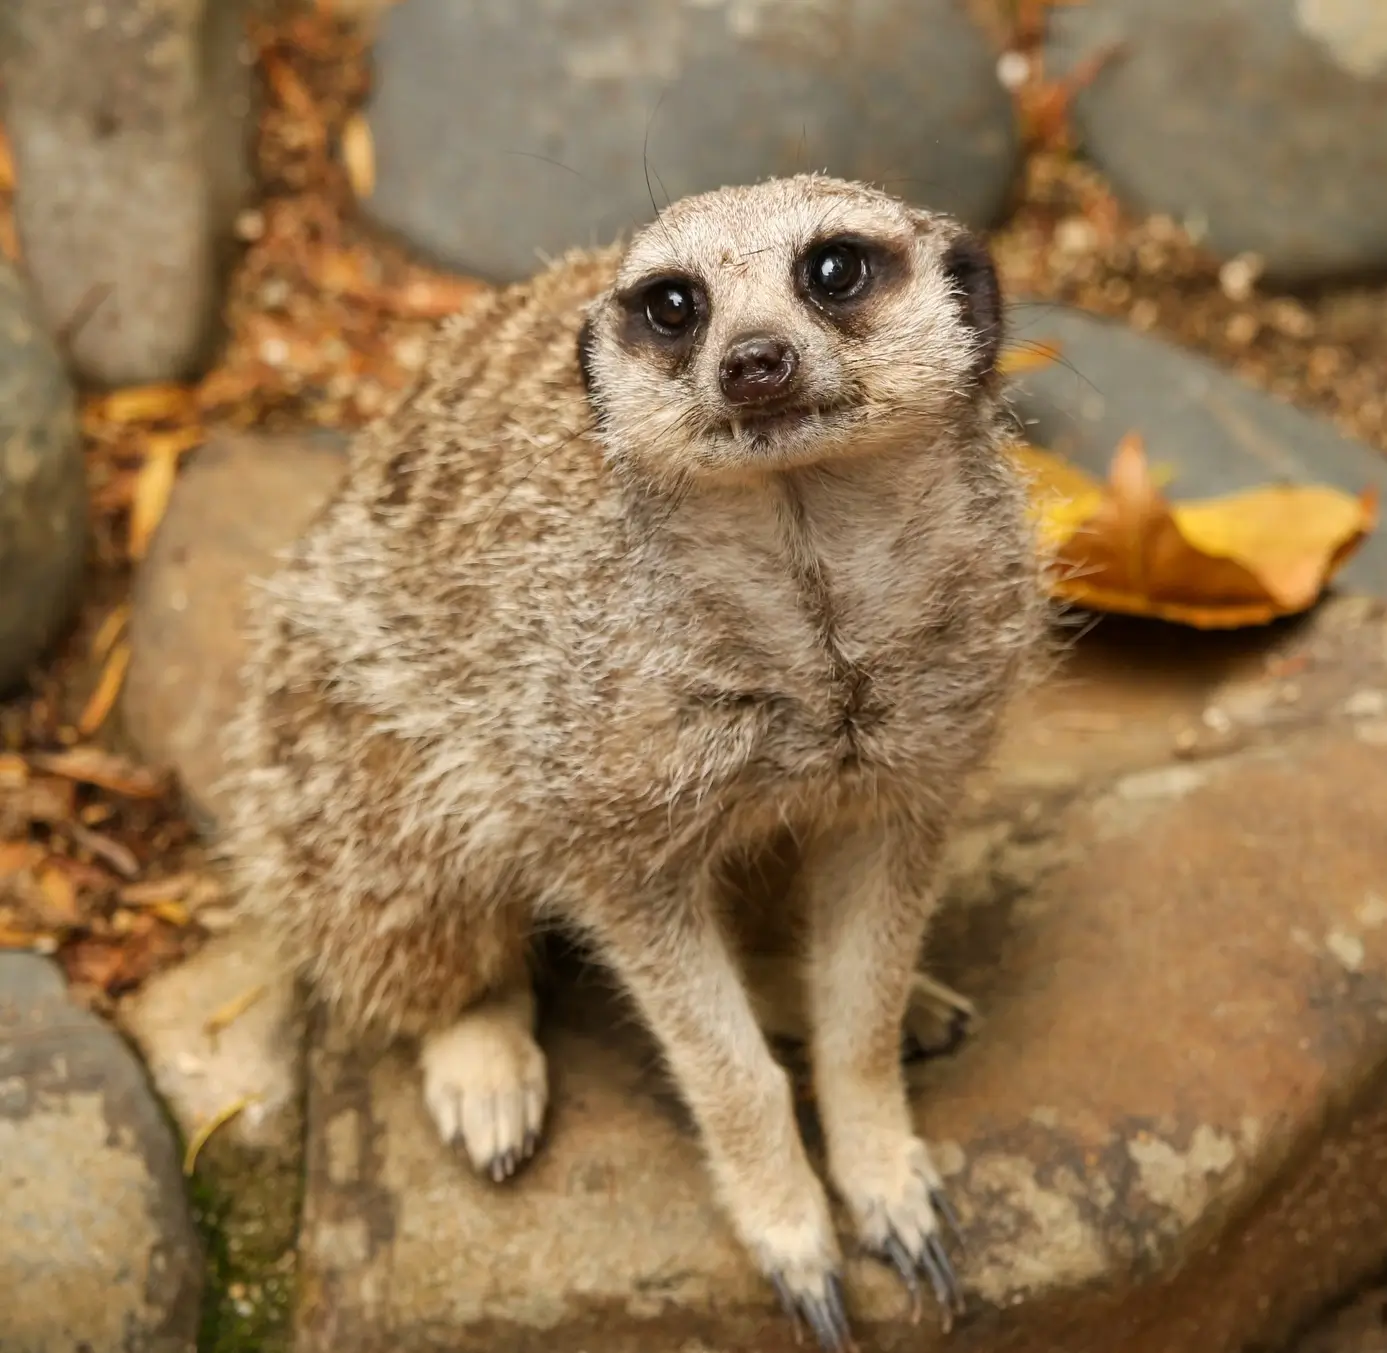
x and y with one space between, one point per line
678 967
867 892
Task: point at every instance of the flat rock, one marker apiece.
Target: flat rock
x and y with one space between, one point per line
1187 971
43 491
1218 433
578 97
1262 122
128 122
238 501
1168 901
97 1246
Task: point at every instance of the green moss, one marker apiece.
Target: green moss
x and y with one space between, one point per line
248 1210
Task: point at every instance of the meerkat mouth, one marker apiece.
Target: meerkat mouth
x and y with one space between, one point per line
760 426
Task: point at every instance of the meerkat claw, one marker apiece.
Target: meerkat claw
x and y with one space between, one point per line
826 1315
939 1201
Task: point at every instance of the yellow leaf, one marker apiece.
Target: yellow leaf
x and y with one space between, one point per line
103 698
1282 533
201 1137
359 155
1241 559
60 897
153 488
160 402
112 627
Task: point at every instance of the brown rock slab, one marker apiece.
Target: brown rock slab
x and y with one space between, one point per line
239 501
1169 1133
1359 1327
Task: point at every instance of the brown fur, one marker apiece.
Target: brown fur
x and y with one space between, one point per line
559 656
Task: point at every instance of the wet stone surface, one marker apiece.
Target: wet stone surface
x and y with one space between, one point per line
579 97
43 503
128 122
97 1245
1263 121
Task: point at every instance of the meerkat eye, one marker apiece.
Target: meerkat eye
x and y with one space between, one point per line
837 271
670 307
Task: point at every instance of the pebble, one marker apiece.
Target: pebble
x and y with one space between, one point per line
1261 124
1217 433
129 124
43 499
506 133
95 1229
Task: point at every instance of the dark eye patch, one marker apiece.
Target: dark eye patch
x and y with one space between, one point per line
842 275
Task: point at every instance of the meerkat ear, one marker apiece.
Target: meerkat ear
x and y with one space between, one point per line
587 341
968 265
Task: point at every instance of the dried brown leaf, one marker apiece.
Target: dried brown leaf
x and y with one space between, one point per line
359 156
162 402
153 489
59 893
106 770
111 628
103 698
115 853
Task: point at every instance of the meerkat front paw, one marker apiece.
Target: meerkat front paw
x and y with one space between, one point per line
938 1018
800 1257
486 1085
896 1198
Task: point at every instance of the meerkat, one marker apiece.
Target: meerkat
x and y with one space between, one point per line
684 546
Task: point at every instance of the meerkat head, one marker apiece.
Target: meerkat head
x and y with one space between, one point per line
793 322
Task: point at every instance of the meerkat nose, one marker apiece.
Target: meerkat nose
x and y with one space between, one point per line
757 368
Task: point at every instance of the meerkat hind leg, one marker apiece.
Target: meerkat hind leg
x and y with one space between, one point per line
486 1082
937 1020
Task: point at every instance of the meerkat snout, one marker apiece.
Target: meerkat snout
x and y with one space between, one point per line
757 369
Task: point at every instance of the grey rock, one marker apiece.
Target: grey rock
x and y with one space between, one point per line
43 495
1218 433
504 131
129 123
97 1245
240 499
1266 120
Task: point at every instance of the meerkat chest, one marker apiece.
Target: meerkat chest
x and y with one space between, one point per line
809 640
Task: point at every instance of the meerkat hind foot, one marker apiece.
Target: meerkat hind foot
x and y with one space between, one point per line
938 1019
486 1084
